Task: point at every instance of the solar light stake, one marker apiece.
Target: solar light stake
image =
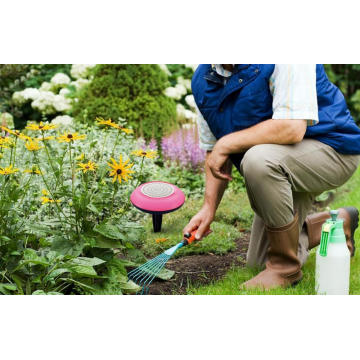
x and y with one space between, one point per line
157 198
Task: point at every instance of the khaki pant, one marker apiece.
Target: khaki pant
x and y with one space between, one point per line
284 179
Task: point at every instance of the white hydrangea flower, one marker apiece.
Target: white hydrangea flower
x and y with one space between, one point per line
61 104
60 79
165 69
189 99
21 97
80 71
184 82
180 110
176 92
44 102
190 115
79 83
64 92
172 93
63 120
45 86
181 89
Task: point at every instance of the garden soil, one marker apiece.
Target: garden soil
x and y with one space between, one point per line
199 270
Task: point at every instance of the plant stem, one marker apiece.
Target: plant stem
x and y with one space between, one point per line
49 158
116 140
73 189
103 146
52 196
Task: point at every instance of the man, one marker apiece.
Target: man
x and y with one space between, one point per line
288 130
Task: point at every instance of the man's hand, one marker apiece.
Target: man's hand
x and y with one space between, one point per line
217 162
201 221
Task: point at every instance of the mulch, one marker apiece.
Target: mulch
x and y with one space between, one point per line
200 269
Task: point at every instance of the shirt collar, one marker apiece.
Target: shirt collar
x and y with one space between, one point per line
220 70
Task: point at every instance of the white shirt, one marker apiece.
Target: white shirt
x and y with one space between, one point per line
293 87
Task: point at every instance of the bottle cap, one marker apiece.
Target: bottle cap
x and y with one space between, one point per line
334 214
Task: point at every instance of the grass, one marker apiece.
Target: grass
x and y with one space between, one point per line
231 217
347 195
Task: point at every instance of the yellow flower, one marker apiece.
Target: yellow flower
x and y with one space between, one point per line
41 126
150 154
81 157
85 167
109 122
160 240
33 145
4 128
46 200
70 137
8 170
24 137
102 121
127 131
16 133
45 192
6 140
121 170
33 171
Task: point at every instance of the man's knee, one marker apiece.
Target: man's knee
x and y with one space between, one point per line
257 163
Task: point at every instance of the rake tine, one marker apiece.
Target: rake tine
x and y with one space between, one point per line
142 271
150 275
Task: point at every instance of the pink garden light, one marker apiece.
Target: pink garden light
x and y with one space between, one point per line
157 198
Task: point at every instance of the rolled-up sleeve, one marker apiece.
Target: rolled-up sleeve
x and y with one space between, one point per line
294 92
207 139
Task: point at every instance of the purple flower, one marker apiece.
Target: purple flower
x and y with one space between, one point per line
152 145
182 147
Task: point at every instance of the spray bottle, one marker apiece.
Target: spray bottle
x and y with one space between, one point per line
332 259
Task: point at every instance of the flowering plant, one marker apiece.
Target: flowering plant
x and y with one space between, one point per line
65 225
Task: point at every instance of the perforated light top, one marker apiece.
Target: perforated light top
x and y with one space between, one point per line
157 197
157 189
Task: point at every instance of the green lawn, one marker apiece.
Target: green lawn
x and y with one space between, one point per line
230 219
347 195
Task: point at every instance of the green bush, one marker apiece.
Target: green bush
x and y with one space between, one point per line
133 92
347 78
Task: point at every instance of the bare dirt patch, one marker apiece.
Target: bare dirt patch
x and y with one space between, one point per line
200 269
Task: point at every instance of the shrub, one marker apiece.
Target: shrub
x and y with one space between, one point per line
133 92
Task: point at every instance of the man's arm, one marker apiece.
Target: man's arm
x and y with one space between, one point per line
271 131
214 191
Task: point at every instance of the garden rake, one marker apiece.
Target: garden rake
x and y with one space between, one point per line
146 273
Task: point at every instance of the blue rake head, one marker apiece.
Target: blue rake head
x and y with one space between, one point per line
146 273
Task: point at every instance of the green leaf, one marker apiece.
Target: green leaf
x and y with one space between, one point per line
65 247
110 231
83 270
4 240
93 208
86 261
81 284
6 289
129 287
42 292
136 256
165 274
53 274
105 243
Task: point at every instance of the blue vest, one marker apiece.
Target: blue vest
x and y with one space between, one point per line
244 99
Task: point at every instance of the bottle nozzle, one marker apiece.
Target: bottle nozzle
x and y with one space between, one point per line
334 215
